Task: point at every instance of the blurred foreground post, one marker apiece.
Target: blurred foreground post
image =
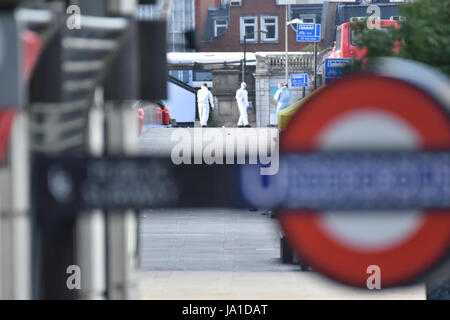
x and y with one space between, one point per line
15 254
90 229
121 234
121 91
15 216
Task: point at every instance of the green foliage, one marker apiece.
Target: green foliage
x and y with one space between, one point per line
352 67
211 120
379 42
426 33
308 48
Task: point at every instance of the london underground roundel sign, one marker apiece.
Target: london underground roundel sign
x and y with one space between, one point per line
373 113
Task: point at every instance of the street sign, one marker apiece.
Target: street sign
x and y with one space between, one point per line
333 68
299 80
308 32
368 113
331 180
65 185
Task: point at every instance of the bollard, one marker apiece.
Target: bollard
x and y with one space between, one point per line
159 118
166 116
140 112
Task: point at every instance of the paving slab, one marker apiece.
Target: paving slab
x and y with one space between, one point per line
226 285
230 254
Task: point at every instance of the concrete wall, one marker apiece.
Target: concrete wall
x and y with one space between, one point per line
225 84
181 103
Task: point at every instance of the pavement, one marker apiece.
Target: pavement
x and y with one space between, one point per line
209 240
158 141
231 255
226 254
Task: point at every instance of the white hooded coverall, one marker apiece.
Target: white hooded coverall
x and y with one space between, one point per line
204 98
242 101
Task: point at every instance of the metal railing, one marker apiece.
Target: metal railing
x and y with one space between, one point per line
304 61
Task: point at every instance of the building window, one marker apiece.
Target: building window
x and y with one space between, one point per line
270 24
398 18
249 27
220 26
308 18
203 76
236 3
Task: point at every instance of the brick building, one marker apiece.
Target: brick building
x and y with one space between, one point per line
221 25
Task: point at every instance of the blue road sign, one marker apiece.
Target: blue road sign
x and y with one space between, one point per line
299 80
333 68
308 32
339 180
352 180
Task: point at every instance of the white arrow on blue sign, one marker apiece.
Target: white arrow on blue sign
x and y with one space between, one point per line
299 80
308 32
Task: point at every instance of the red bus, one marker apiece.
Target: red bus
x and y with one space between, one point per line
345 46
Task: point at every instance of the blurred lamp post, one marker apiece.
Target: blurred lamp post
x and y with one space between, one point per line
295 21
245 50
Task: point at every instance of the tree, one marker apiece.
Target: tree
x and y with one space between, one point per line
424 34
378 42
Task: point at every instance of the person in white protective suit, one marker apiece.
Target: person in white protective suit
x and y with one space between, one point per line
204 100
282 97
242 101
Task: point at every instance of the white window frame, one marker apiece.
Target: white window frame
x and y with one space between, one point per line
221 25
309 16
233 3
242 29
263 27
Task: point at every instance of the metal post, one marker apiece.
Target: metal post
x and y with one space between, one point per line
15 270
53 234
286 47
90 232
122 226
14 216
245 58
315 65
121 138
